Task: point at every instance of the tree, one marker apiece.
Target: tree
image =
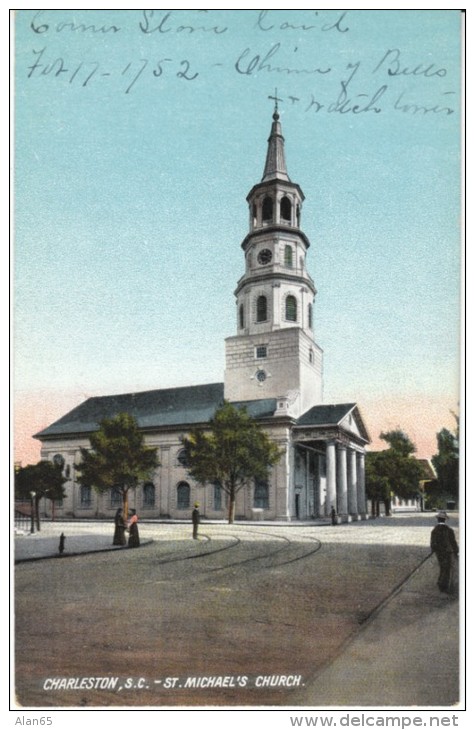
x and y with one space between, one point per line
232 453
378 488
118 457
394 470
446 462
44 479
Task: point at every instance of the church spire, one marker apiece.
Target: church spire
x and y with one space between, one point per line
275 167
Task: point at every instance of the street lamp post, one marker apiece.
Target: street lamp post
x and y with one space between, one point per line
32 512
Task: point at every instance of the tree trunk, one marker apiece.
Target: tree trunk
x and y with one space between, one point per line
37 513
125 503
231 509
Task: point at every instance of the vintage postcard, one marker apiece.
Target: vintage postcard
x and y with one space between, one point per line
237 259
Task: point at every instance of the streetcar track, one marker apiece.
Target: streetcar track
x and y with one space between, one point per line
270 555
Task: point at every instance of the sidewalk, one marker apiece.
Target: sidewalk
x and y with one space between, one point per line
408 648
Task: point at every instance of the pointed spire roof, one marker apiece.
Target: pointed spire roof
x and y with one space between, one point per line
275 167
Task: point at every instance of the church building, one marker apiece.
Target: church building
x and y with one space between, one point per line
273 368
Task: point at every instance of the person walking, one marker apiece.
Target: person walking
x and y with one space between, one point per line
444 544
333 516
195 518
119 531
134 540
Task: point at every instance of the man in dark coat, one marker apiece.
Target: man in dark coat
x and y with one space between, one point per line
195 518
444 545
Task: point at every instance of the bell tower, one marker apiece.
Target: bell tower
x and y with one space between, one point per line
274 354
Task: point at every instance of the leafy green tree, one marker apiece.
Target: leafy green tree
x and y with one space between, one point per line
378 488
232 453
118 457
44 479
446 463
394 470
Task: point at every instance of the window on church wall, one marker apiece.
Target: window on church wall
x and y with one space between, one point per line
267 210
261 313
291 308
310 316
288 256
261 351
310 355
241 316
182 458
115 498
261 495
183 495
58 460
285 209
85 497
254 215
148 495
217 497
298 215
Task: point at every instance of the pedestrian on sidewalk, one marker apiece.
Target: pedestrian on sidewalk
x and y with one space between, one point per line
444 544
333 516
119 531
134 540
195 518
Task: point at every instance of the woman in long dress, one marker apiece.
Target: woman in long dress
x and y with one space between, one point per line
134 540
119 532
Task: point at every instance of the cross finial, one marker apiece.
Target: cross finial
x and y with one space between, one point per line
276 100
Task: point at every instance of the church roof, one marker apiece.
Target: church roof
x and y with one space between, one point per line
275 167
186 406
334 415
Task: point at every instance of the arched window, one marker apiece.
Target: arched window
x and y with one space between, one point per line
85 496
261 495
285 209
267 209
291 308
254 214
182 457
217 497
183 495
58 459
288 256
261 308
241 316
148 495
116 497
310 316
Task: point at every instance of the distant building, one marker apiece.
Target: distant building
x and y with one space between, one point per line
273 368
417 502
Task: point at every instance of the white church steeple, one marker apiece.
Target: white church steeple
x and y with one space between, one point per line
274 353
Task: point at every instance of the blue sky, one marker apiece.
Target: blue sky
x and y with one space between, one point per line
135 150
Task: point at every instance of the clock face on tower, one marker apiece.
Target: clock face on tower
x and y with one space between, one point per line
264 256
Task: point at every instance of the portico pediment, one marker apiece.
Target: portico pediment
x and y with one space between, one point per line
340 422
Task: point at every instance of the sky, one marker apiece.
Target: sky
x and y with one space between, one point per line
138 135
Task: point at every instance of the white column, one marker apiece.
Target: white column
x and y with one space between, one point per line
321 486
284 481
164 498
331 477
361 487
352 484
342 482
